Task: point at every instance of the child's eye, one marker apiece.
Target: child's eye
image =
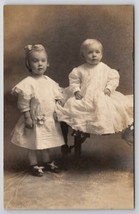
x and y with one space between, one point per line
43 60
90 52
34 60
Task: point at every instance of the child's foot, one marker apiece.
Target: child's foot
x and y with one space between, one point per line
37 171
52 167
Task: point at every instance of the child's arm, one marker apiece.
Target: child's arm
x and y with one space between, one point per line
24 107
75 83
28 120
113 82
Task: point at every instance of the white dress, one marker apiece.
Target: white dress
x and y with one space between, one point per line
96 112
37 95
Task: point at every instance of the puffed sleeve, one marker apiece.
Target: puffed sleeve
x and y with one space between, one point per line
75 80
24 91
113 80
23 104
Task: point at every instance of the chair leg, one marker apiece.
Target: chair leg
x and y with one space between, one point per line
64 148
77 146
64 128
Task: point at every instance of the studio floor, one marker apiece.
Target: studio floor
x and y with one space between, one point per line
103 179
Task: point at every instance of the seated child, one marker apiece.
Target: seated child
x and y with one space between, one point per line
95 106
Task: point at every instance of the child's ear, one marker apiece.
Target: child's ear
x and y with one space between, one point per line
48 65
82 55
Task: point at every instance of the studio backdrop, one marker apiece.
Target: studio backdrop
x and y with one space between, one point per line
62 29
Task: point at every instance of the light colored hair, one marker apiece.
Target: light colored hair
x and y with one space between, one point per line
33 48
87 43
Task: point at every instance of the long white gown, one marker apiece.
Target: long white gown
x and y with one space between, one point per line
96 112
38 96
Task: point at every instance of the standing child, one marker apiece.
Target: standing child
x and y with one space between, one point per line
95 106
37 96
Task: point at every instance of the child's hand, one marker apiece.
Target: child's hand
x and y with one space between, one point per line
77 95
107 91
60 102
28 123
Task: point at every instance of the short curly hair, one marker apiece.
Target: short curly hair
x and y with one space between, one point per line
87 43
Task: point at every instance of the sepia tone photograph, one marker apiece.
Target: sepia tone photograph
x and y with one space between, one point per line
69 107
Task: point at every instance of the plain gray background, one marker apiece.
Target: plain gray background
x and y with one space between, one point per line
70 57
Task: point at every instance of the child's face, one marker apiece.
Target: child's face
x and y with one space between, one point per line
93 53
38 62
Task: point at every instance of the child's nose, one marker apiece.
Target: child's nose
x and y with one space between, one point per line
40 62
94 55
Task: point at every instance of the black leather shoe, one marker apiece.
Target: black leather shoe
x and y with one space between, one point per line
37 171
52 167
